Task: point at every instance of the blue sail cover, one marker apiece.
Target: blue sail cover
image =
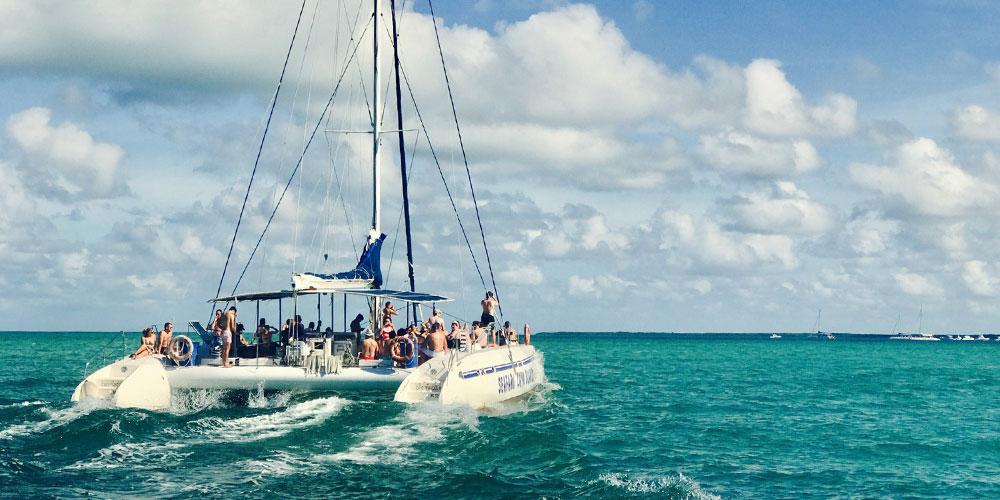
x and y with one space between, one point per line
369 265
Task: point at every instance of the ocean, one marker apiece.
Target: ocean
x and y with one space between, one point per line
621 415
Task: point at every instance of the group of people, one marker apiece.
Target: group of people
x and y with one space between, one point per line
413 345
407 347
149 345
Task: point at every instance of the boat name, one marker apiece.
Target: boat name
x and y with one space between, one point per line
511 381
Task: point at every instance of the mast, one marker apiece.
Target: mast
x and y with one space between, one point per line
376 130
402 158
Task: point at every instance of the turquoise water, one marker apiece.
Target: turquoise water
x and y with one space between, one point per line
623 415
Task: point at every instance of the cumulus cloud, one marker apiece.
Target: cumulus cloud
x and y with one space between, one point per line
926 179
976 123
915 284
524 274
782 209
64 159
703 243
739 152
869 235
979 278
775 107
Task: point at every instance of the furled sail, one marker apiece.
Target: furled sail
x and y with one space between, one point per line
367 274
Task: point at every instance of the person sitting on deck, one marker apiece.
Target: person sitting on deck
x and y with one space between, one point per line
435 343
311 328
146 344
457 336
165 337
479 335
369 348
298 330
507 335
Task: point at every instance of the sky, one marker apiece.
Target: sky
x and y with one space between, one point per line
638 166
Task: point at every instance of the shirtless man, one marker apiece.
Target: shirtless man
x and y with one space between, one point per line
436 342
165 337
228 326
490 305
369 348
145 344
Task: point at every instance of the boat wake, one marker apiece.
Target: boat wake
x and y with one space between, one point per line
679 486
418 424
55 418
260 427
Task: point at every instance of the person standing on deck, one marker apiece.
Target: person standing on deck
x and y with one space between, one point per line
490 305
228 328
369 348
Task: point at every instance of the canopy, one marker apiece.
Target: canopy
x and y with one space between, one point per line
410 297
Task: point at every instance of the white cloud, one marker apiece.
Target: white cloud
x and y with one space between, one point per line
782 209
976 123
869 235
915 284
978 278
775 107
579 286
523 274
926 179
596 233
742 153
64 157
703 242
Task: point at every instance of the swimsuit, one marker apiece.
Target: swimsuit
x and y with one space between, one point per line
226 335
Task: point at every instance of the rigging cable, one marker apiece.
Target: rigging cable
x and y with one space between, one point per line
260 149
298 164
437 163
465 158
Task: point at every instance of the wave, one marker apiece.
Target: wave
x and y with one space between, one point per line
419 423
128 455
259 427
55 419
679 486
22 404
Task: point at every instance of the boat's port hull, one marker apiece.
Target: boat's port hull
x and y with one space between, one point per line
285 378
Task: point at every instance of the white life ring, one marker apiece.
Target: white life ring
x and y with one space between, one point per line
181 349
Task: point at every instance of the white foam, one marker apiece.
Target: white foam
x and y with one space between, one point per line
128 455
185 402
419 423
23 404
258 427
260 399
278 464
681 485
55 419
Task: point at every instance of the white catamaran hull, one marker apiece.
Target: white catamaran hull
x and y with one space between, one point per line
285 378
478 379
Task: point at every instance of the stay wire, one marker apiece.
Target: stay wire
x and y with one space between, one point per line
260 149
437 163
298 164
465 158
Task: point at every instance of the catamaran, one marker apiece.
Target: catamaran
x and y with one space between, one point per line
329 361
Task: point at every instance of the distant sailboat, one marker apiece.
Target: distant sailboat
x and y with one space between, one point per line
775 336
819 331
